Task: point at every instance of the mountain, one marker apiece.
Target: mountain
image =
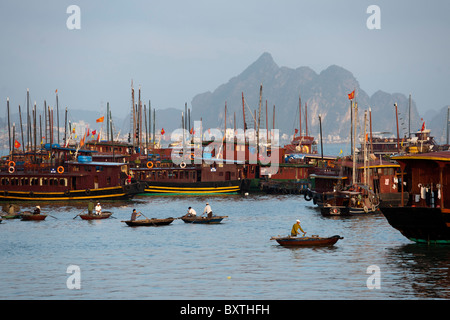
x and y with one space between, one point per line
325 93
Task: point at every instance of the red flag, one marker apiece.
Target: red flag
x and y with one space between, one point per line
351 95
100 119
423 126
162 131
17 144
94 132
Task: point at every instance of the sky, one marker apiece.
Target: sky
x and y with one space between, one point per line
175 50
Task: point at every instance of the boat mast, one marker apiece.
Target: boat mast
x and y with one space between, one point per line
396 120
370 121
448 116
300 113
21 128
267 125
365 149
306 118
9 126
259 120
57 115
355 105
243 112
321 144
133 117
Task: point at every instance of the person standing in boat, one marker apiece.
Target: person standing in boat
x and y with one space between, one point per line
191 212
207 210
98 209
135 214
295 229
90 207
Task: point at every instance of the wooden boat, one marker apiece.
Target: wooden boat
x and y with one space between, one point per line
424 216
12 216
33 217
80 179
203 220
92 216
306 241
153 222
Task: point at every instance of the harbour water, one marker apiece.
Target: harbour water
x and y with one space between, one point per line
232 260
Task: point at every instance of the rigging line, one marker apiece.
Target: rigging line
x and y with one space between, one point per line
251 112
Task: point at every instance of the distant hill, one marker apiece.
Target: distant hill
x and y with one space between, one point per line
324 93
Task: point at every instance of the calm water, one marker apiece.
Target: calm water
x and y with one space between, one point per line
232 260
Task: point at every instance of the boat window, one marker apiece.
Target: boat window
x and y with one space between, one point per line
108 181
63 182
5 181
98 168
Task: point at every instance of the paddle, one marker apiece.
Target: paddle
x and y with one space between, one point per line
52 217
78 214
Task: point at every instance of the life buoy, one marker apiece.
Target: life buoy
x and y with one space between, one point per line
192 156
308 195
12 163
157 163
11 169
88 191
334 211
60 169
149 164
182 165
366 209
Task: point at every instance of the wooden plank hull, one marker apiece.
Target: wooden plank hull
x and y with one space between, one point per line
204 220
104 215
170 188
11 216
33 217
306 241
149 222
420 224
118 192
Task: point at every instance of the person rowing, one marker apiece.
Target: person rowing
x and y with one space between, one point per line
135 214
295 229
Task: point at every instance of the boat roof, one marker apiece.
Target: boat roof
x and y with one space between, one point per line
97 163
433 156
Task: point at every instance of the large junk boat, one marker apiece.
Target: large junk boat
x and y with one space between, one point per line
423 216
76 179
192 179
211 174
383 178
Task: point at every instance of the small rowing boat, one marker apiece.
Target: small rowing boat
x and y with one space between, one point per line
93 216
33 217
12 216
203 220
153 222
306 241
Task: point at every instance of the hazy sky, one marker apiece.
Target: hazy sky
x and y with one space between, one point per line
177 49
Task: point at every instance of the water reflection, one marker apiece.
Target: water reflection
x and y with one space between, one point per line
422 269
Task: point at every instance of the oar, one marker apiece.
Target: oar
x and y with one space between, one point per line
52 217
144 215
78 214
